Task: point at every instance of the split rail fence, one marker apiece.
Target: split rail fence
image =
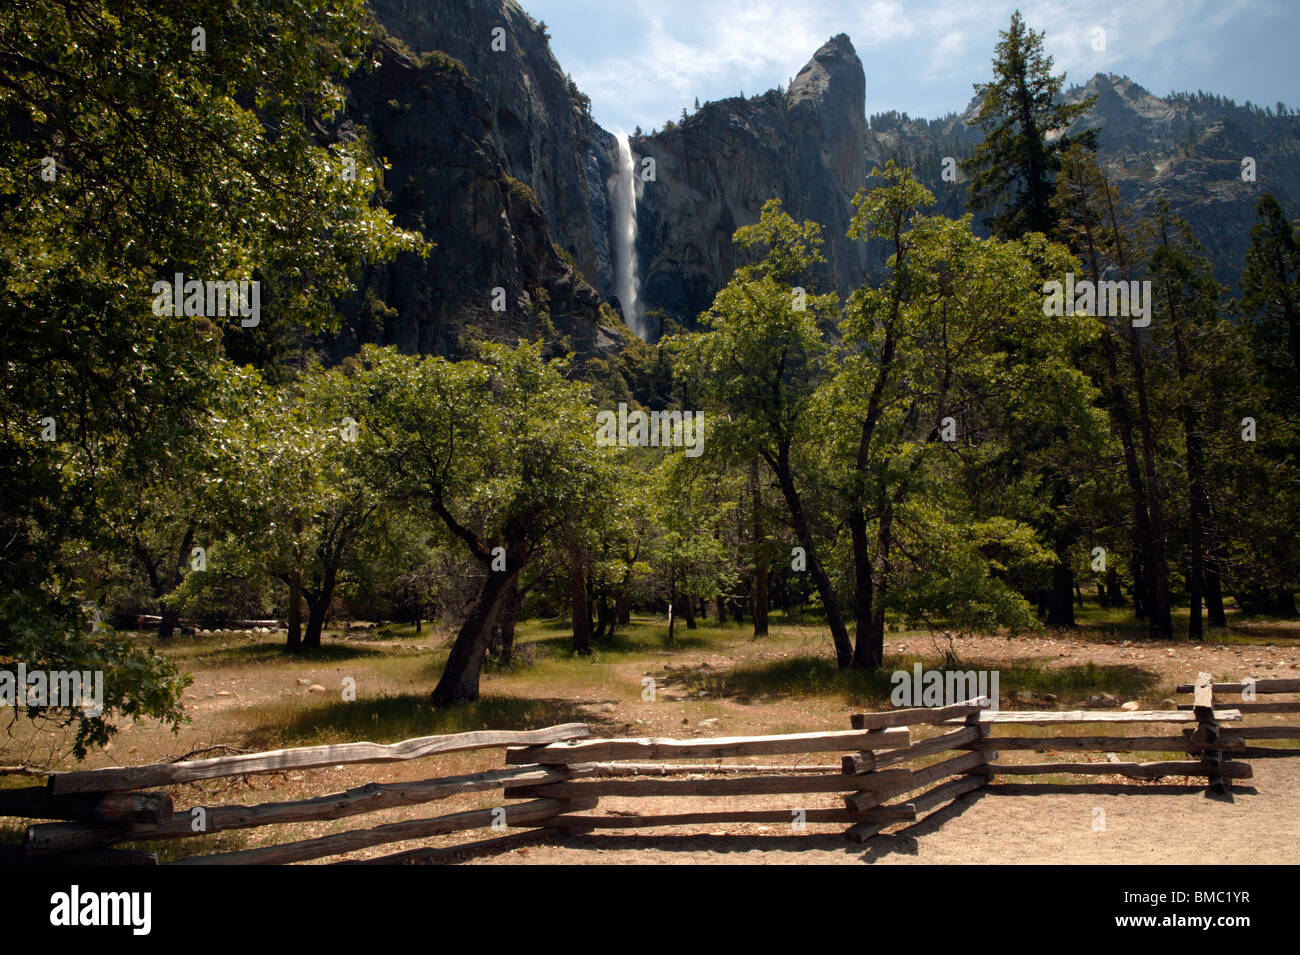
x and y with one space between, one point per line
554 778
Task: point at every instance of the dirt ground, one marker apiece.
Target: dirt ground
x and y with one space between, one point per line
1001 825
244 702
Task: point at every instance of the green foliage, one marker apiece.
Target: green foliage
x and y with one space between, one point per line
522 192
167 159
443 62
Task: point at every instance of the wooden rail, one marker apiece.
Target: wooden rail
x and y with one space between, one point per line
555 778
308 757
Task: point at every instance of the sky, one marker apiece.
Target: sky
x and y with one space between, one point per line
642 61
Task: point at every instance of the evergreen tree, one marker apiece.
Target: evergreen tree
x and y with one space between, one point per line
1012 171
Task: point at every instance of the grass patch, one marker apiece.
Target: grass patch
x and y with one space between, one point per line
235 651
555 638
1034 676
819 676
389 719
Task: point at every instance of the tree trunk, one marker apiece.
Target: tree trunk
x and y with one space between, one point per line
167 625
1214 596
1144 557
295 612
170 615
1060 600
688 611
1198 500
604 616
721 608
863 591
803 530
316 611
871 651
505 627
672 600
1157 568
760 601
623 606
581 612
758 604
1162 626
1284 602
1114 592
318 608
459 682
1141 591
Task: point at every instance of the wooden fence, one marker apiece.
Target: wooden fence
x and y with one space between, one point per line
554 777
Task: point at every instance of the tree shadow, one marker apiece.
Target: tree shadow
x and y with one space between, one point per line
253 652
819 676
387 719
637 641
697 842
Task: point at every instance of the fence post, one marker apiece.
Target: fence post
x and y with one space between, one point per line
1207 731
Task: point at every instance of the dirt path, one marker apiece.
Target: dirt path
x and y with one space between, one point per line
998 826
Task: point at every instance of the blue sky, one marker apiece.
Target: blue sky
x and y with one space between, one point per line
641 61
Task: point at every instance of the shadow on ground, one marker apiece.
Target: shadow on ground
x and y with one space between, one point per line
404 716
819 676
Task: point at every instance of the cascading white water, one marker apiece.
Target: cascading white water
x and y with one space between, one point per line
622 191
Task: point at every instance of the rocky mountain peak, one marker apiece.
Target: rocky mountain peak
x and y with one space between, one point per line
833 77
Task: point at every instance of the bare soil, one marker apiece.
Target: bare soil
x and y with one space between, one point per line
244 703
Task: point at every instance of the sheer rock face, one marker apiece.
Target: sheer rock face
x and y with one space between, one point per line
1189 152
713 173
537 120
449 179
519 117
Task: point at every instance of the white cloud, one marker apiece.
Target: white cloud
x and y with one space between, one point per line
920 57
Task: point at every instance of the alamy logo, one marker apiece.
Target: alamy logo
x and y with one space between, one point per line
74 907
1109 299
655 429
943 687
65 689
212 298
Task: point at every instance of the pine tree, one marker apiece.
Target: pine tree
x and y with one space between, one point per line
1095 227
1270 295
1012 171
1186 299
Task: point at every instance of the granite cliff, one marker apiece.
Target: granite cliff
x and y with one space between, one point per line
495 157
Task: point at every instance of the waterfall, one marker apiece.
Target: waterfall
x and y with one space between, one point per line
622 189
